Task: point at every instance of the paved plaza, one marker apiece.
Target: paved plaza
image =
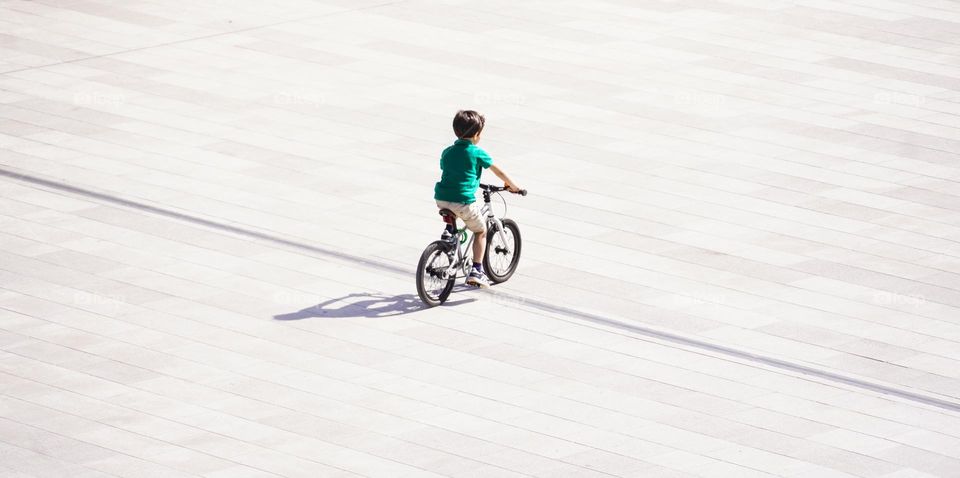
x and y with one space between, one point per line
741 245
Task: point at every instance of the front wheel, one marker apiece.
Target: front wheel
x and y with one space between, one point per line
501 258
432 288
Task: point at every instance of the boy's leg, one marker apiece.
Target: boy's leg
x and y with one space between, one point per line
473 218
475 221
471 215
479 245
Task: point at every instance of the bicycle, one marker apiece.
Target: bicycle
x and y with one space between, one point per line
446 260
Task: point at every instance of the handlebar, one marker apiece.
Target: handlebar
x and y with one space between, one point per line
494 189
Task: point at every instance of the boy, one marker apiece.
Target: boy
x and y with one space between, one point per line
462 165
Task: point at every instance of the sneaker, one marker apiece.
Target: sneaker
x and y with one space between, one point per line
478 279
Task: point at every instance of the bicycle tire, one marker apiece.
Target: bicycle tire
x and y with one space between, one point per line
497 271
434 249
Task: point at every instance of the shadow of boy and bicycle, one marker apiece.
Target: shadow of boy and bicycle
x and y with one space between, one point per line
365 304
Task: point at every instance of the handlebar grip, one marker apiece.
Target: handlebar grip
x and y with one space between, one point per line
523 192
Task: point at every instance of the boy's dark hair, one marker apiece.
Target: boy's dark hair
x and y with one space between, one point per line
467 123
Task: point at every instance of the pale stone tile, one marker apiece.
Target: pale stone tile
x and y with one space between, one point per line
776 178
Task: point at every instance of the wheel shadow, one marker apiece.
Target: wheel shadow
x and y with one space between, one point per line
368 305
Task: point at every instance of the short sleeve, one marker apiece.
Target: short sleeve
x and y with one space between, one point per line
483 159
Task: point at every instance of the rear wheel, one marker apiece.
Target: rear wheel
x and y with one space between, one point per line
432 288
501 258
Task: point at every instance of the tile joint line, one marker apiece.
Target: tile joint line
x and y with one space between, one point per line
201 37
929 399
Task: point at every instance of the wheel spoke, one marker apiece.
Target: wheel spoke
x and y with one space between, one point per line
501 254
432 280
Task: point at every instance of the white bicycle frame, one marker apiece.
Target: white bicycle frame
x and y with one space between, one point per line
462 248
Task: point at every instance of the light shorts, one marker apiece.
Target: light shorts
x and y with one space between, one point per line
469 213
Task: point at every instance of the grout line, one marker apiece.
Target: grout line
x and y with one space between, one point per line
935 400
202 37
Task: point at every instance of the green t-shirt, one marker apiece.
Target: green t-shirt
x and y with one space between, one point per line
462 163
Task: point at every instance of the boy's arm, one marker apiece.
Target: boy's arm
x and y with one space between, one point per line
507 182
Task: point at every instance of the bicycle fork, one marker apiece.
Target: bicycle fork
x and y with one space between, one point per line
499 232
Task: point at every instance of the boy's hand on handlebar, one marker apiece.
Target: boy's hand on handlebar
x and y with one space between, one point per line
512 187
